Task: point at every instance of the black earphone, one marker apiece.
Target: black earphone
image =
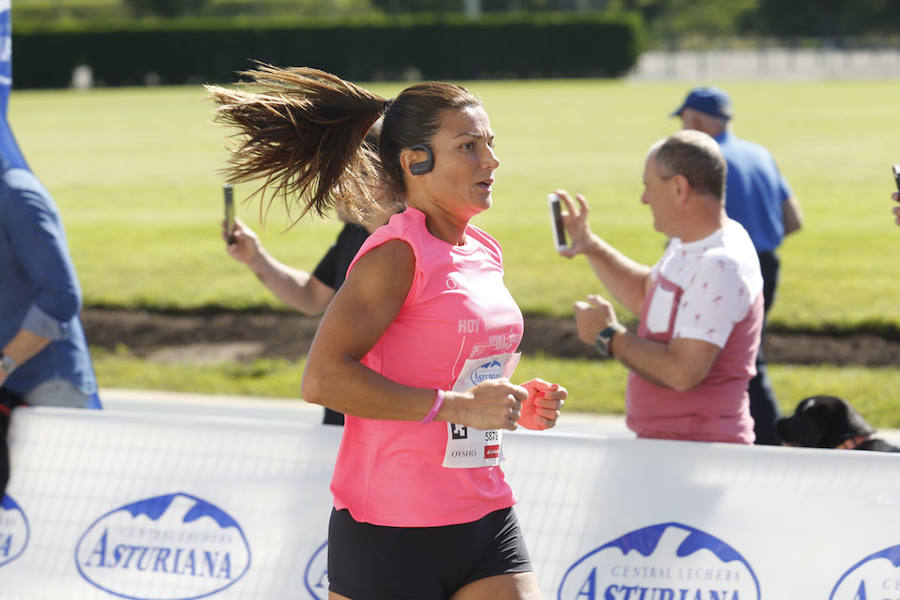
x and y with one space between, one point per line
420 168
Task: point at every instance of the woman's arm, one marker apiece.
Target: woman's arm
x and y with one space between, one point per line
362 310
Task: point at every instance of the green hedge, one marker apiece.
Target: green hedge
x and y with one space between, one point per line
431 47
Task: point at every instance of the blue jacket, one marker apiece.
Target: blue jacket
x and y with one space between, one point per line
39 288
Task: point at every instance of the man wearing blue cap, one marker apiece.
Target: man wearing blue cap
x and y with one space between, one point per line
759 198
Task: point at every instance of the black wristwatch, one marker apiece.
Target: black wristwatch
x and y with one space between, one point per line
604 338
7 363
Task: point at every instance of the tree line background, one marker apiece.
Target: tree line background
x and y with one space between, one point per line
666 21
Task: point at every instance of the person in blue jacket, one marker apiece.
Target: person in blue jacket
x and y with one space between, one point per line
44 358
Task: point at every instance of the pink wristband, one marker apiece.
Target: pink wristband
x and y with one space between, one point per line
438 403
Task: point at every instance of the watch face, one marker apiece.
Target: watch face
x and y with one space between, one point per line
602 344
604 339
7 364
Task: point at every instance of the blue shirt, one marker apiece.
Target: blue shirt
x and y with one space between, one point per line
755 190
39 289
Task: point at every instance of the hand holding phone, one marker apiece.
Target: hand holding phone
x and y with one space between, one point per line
229 213
556 221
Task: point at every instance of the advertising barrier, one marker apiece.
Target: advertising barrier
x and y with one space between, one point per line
165 506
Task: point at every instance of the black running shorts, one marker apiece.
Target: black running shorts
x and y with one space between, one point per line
372 562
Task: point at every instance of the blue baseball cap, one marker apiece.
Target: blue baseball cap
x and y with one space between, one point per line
708 100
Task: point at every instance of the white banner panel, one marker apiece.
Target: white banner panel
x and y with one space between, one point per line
146 506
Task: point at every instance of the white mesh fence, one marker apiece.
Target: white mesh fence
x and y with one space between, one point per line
165 506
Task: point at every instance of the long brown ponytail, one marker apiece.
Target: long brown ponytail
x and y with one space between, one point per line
303 132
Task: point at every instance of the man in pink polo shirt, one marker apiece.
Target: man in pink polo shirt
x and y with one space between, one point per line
700 306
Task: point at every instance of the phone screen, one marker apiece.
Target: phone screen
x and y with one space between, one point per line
229 212
897 176
559 230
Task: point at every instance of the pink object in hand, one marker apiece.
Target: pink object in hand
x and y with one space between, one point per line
536 389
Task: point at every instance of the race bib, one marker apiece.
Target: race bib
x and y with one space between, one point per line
468 447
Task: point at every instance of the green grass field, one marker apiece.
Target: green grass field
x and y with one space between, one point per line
135 174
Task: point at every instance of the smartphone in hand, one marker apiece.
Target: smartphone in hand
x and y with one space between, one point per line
229 212
556 222
897 176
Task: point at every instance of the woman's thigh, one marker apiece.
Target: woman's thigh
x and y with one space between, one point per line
509 586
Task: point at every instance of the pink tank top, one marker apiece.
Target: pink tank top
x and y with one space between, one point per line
458 326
